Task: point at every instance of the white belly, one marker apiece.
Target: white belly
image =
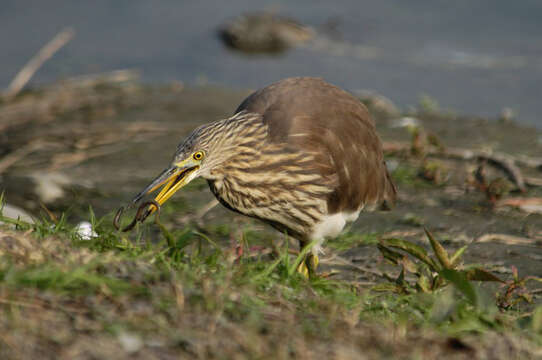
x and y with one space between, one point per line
330 226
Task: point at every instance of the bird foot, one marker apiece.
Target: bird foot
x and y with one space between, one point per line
308 266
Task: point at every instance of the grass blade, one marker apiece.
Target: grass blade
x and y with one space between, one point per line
461 283
413 249
389 254
457 255
478 274
440 252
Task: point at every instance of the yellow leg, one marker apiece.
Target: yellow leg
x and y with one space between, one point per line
312 263
303 269
308 266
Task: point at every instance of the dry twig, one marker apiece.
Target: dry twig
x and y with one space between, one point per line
505 238
338 260
529 205
505 162
62 97
45 53
20 153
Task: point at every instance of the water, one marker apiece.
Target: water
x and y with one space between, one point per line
473 57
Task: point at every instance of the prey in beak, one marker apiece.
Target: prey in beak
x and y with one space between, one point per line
172 179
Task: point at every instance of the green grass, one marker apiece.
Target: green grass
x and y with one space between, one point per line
186 294
348 240
409 175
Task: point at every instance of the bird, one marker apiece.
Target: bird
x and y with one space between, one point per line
300 154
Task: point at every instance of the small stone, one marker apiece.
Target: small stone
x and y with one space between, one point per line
131 343
84 231
14 212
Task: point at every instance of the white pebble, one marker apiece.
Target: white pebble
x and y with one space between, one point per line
14 212
130 343
84 231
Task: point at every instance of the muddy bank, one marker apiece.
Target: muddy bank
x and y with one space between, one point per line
70 147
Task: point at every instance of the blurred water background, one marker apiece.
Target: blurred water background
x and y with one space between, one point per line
473 56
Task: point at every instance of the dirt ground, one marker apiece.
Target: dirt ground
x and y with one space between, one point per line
103 143
68 147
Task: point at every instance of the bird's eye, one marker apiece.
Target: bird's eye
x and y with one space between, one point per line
198 155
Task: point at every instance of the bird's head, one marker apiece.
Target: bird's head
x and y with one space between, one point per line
194 156
202 151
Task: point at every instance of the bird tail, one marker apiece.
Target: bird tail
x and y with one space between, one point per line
390 192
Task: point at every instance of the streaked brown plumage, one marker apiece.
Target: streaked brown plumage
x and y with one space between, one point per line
300 154
317 117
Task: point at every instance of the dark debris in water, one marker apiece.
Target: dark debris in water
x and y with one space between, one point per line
263 32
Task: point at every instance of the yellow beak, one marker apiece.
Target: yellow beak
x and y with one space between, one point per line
174 178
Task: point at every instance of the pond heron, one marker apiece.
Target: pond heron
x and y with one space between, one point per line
301 155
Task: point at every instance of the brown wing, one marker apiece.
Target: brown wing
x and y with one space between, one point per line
320 118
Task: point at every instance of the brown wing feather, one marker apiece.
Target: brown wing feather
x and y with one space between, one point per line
322 119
